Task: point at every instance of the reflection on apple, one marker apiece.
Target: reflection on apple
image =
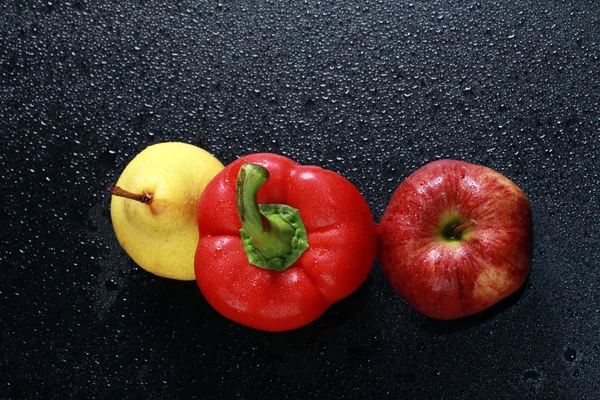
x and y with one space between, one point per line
456 238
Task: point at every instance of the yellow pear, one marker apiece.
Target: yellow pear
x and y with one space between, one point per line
154 207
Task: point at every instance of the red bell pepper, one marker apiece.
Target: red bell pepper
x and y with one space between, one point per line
281 242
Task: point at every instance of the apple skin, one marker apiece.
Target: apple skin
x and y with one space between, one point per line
447 278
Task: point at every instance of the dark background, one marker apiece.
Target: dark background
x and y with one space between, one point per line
370 89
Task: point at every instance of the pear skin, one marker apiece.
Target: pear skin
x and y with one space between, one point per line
161 235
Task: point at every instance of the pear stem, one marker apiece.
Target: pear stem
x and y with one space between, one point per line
144 197
455 232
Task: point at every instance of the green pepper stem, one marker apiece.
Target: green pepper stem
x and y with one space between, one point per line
270 238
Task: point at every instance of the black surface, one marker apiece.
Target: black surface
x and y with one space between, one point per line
370 89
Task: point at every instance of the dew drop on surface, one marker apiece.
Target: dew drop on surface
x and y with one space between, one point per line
531 375
570 354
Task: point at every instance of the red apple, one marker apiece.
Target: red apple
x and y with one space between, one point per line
456 238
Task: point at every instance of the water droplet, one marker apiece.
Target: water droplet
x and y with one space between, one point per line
570 354
532 375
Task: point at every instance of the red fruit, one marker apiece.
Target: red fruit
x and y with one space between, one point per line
456 238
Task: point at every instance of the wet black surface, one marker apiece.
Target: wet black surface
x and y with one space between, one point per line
372 90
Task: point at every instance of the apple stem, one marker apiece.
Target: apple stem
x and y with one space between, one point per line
144 197
458 229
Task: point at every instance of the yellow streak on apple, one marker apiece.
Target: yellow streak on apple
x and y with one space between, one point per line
490 282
